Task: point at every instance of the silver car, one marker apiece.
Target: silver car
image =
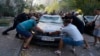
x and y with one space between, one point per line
89 18
48 23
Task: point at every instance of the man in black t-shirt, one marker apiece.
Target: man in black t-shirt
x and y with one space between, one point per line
20 18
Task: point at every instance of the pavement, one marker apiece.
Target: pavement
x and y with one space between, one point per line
10 46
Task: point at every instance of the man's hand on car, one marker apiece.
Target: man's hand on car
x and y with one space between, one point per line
39 29
56 32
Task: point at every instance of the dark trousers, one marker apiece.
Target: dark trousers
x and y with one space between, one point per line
11 28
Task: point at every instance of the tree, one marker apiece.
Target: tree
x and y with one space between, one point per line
41 6
11 7
66 5
52 7
87 6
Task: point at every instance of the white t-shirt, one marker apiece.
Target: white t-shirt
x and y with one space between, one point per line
72 31
97 22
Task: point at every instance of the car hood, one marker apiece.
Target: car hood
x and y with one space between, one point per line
49 27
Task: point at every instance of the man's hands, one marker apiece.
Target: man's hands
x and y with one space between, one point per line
39 29
33 32
56 32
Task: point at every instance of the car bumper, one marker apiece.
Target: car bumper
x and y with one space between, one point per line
40 41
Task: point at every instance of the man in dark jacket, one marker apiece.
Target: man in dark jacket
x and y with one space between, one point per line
20 18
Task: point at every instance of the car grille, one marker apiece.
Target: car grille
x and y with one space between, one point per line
47 34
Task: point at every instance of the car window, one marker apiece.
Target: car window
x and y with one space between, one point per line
89 18
50 19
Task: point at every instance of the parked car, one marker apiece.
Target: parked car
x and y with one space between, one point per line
89 18
48 23
89 29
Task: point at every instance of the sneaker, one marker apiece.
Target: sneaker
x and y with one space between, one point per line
5 33
58 52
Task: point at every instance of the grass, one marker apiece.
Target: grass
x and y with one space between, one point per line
4 21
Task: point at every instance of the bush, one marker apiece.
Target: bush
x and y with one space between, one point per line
4 21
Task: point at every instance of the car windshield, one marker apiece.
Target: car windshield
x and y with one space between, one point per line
51 19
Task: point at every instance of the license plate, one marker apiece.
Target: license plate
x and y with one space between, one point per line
45 38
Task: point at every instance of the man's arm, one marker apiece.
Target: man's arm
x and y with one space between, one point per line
39 29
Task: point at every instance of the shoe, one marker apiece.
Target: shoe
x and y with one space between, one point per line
86 47
58 52
5 33
25 48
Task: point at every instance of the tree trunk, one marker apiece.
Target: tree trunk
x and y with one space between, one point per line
31 6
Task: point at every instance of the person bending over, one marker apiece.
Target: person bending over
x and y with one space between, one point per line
71 36
18 19
25 28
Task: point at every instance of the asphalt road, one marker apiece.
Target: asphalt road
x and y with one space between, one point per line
36 50
10 46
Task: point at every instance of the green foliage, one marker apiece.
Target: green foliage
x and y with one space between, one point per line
87 6
4 21
53 8
41 6
67 5
38 7
11 8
